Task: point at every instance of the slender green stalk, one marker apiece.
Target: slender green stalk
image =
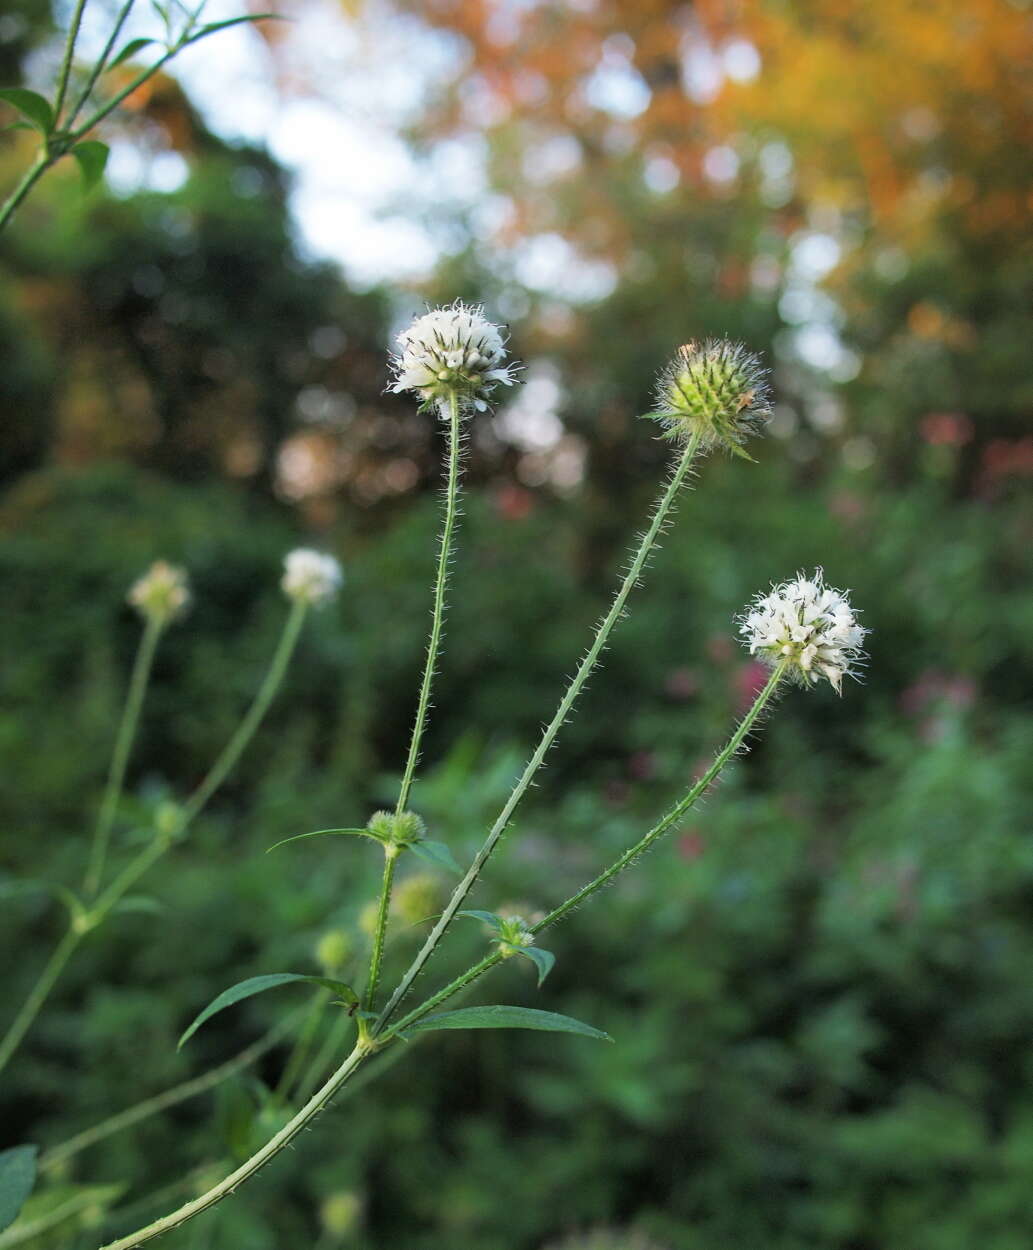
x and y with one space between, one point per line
38 995
123 1120
380 930
25 1231
270 1150
28 180
120 756
649 540
66 60
101 62
157 847
255 713
440 586
727 752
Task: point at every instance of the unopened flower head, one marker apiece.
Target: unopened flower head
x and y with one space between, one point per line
452 351
809 625
161 594
311 577
715 391
513 932
399 830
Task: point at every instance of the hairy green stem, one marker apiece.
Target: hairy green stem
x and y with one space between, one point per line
38 995
270 1150
649 540
120 756
167 1098
437 620
727 752
380 929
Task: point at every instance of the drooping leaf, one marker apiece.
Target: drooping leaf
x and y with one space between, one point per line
92 156
17 1177
256 985
505 1018
318 833
131 49
31 105
436 853
485 917
543 960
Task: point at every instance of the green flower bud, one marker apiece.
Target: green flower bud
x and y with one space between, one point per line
398 831
416 898
513 932
333 949
715 391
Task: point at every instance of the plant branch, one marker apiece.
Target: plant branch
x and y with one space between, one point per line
120 756
66 60
649 540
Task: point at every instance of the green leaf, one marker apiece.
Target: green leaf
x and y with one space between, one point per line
542 960
138 903
131 49
212 27
255 985
32 105
436 853
486 917
17 1177
505 1018
318 833
92 156
18 126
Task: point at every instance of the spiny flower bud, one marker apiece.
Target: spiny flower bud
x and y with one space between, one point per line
310 576
808 624
161 594
513 932
452 351
397 830
714 391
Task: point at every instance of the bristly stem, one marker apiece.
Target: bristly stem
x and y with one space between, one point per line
120 756
437 620
339 1078
649 540
380 929
727 752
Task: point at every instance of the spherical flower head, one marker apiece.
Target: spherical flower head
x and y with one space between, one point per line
161 594
339 1214
810 626
714 391
399 830
513 932
416 898
333 949
311 577
453 351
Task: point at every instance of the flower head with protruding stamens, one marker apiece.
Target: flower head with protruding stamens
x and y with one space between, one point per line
162 593
310 577
714 391
453 351
809 626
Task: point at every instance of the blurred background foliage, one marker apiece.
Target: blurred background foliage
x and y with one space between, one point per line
819 987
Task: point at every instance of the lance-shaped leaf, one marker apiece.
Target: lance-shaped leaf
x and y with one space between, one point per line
256 985
211 27
31 105
505 1018
436 853
542 960
485 917
131 49
17 1177
319 833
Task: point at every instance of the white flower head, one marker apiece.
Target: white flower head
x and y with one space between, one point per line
311 577
452 351
808 624
162 593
